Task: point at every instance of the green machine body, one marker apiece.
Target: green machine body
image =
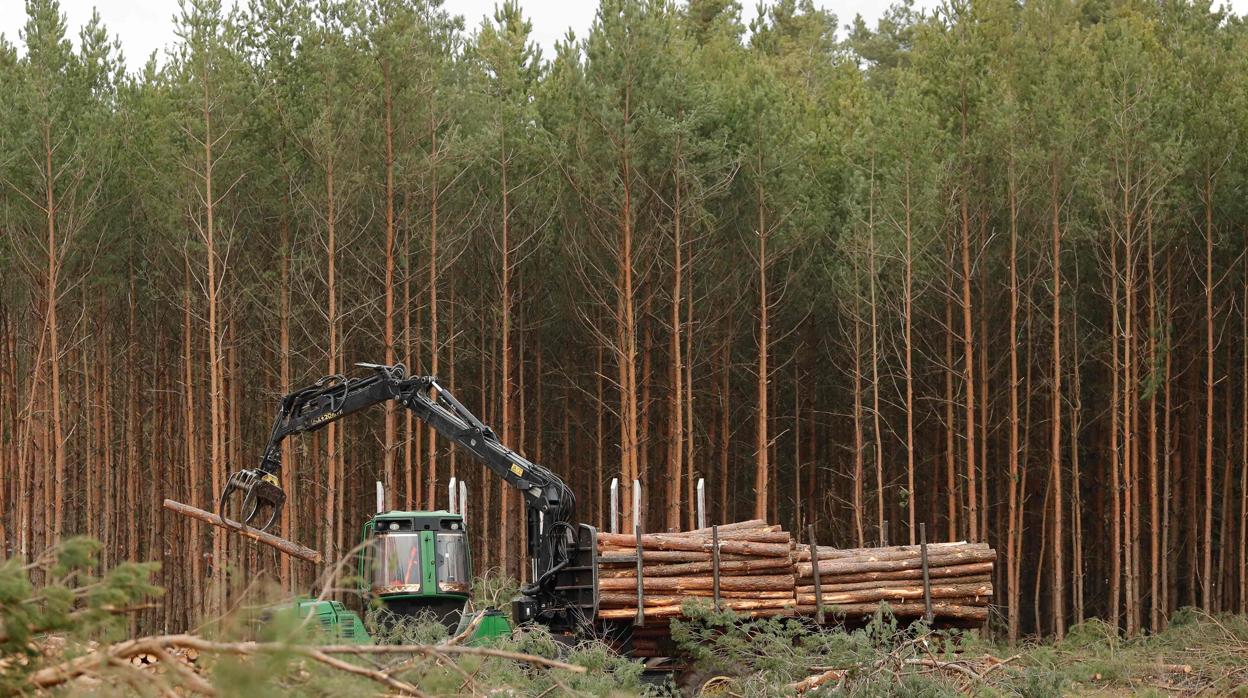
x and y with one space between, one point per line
419 563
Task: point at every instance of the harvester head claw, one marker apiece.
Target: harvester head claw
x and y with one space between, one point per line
253 497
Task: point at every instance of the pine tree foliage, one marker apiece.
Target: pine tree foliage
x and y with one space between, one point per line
978 267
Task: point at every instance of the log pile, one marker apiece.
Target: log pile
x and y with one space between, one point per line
856 581
762 572
755 571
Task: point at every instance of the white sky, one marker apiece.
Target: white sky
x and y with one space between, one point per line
147 25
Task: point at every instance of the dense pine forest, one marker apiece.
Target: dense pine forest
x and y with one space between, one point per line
980 267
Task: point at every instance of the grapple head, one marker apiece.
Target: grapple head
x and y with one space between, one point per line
253 498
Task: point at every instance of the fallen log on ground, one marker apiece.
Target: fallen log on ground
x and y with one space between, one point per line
280 544
325 654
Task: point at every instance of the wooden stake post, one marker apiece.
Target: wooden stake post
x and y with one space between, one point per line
814 557
927 582
715 564
641 591
280 544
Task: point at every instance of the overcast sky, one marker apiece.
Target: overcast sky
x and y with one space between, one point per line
147 25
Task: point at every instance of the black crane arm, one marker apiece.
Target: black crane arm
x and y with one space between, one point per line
550 502
335 397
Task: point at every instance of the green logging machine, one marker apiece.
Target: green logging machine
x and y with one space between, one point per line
418 562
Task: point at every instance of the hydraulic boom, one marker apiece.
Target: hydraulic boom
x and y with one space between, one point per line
256 496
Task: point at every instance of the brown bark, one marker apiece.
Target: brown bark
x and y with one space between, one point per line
729 546
676 398
1243 465
388 337
775 600
53 327
411 433
767 534
901 593
907 322
913 610
290 515
1076 498
1206 568
968 347
627 600
1013 536
431 462
762 443
772 582
600 379
824 587
859 466
1115 462
674 611
726 568
1166 455
331 358
191 438
608 557
875 365
1055 441
951 458
626 327
801 552
506 496
837 567
1129 401
282 545
972 569
1154 611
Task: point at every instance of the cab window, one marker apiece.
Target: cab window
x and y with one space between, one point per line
396 562
451 550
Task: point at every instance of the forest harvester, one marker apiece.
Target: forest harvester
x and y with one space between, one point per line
419 562
587 583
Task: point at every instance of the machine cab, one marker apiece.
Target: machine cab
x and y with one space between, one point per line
418 562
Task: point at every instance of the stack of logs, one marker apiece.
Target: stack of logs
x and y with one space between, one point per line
763 573
755 571
856 581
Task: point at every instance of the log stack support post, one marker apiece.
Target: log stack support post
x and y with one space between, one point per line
641 590
701 502
814 559
614 523
927 582
715 565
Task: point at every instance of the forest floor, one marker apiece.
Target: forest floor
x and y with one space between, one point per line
72 635
1197 655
